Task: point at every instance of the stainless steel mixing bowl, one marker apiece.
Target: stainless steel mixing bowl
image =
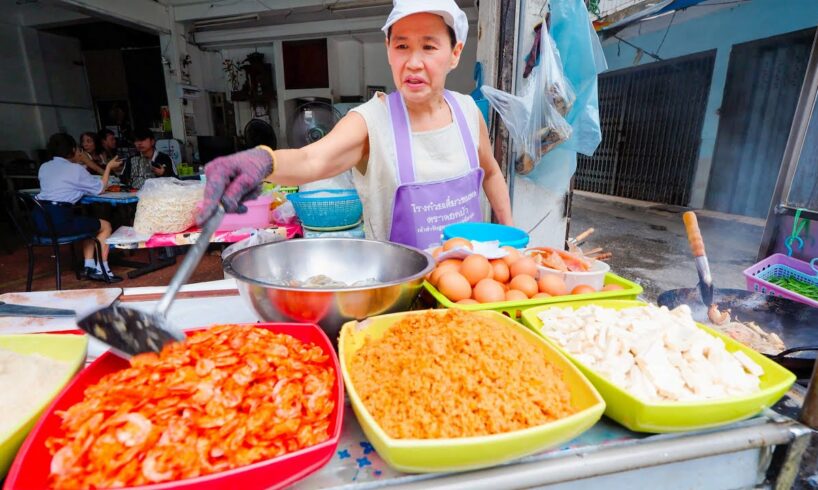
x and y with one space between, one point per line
263 273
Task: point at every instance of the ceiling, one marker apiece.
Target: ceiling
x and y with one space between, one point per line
271 13
211 22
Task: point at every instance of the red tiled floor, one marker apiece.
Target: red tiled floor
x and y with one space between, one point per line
13 269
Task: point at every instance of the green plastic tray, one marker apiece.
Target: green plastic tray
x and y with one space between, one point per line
467 453
650 416
68 348
514 309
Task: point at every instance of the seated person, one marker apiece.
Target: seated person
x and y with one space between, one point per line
89 155
107 145
62 184
149 163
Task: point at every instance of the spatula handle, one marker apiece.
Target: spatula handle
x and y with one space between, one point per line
191 260
694 235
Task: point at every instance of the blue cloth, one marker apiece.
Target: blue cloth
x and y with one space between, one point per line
479 99
63 181
582 60
114 199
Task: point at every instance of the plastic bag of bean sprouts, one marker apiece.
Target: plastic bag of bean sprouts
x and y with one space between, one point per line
167 205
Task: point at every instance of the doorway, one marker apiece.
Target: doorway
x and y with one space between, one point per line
764 78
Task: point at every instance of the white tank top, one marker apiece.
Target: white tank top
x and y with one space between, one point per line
438 156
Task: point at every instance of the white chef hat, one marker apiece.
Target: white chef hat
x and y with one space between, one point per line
452 15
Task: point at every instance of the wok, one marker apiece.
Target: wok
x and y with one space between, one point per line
796 323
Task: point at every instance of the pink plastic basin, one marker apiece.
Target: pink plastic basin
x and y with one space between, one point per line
257 215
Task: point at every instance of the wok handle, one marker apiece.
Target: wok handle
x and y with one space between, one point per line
784 354
694 235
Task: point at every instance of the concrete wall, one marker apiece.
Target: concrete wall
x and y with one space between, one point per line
43 88
355 62
691 32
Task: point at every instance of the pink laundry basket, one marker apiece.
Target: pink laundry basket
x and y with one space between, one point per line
780 265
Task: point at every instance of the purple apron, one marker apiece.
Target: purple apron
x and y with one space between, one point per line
421 210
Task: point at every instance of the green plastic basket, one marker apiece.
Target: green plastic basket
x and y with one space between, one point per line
514 309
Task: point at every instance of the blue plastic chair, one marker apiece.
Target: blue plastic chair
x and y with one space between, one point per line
26 228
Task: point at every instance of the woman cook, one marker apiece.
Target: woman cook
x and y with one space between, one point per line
419 155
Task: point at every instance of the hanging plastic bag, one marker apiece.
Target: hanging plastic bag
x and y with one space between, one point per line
583 60
534 123
559 89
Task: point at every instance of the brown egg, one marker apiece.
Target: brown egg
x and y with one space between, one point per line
436 251
467 301
583 289
541 296
489 291
450 262
612 287
553 285
454 286
456 242
500 270
515 295
524 283
513 255
434 277
525 265
474 268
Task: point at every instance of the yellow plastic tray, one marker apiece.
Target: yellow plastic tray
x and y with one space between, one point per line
647 416
433 455
63 347
514 309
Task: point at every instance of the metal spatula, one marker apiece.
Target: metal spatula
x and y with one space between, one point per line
129 331
694 236
7 309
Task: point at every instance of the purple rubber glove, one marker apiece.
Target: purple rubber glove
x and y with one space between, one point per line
234 179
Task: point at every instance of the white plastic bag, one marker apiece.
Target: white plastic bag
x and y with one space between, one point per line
536 126
127 235
559 89
167 205
257 237
285 214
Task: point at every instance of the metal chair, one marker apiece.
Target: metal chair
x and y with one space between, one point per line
32 237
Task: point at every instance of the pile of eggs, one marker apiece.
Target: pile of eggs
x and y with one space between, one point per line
514 277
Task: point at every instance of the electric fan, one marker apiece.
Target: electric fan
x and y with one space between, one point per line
311 122
259 132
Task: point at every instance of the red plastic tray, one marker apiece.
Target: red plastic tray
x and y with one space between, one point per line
31 467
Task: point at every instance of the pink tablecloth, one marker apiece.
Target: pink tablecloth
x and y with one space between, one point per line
189 236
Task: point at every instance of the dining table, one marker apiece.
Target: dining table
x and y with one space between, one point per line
112 198
126 238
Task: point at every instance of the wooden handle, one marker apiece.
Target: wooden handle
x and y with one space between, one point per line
582 236
180 295
694 235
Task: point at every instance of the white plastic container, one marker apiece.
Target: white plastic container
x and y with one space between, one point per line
594 277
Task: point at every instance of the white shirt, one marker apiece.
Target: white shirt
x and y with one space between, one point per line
63 181
438 155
